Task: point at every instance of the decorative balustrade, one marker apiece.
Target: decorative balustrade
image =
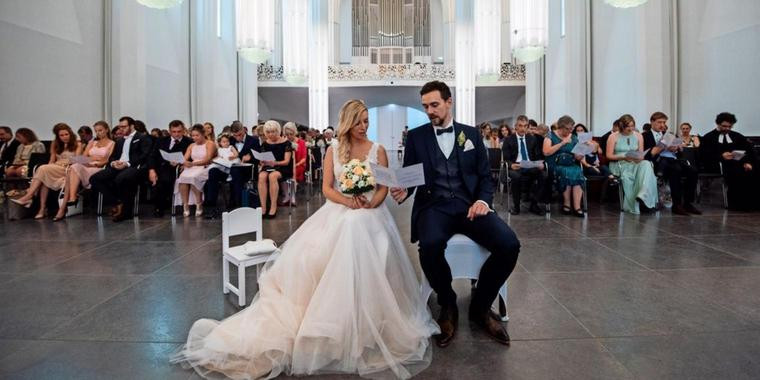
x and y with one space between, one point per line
421 72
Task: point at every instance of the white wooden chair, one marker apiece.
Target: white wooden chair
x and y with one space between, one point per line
240 221
465 258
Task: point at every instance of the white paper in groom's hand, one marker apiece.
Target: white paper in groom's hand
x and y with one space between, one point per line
177 157
263 156
410 176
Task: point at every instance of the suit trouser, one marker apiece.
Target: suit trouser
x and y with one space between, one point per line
118 184
216 178
167 175
674 170
531 180
437 224
743 186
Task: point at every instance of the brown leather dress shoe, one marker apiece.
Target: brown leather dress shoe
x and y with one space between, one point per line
691 209
118 215
448 321
490 323
679 210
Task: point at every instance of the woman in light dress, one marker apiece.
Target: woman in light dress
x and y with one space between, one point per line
341 297
98 151
52 176
636 174
190 183
28 144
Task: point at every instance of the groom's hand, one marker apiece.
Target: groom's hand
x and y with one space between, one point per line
398 194
477 209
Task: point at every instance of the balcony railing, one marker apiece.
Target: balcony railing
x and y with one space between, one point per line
420 72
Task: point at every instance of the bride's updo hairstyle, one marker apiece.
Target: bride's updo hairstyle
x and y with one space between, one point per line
349 116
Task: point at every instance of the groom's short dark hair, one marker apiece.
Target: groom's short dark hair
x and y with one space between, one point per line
436 86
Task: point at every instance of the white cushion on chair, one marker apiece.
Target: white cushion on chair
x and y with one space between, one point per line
465 257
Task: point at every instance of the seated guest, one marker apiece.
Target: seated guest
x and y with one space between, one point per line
689 140
668 161
162 173
8 147
592 166
239 175
504 132
116 133
605 137
208 131
299 150
636 174
27 144
53 175
517 148
718 147
485 133
273 172
564 166
226 152
493 139
97 151
198 157
155 133
85 135
126 167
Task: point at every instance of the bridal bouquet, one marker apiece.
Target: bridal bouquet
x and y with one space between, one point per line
356 178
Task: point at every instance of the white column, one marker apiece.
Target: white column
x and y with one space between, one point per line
318 58
248 94
535 95
128 57
465 70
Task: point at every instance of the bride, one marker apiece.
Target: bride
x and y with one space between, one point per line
342 296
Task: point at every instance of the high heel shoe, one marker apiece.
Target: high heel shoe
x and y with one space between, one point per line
40 216
199 211
186 213
26 204
59 218
73 203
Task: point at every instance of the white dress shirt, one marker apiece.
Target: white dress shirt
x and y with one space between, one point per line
446 141
125 148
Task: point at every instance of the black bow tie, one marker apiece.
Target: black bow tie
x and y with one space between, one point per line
439 132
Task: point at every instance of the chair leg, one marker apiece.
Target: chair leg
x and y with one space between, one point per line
725 195
136 207
241 285
585 196
225 275
100 204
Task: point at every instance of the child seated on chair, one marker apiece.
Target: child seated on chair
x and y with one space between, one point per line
227 153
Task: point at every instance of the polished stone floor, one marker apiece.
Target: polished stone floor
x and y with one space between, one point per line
612 296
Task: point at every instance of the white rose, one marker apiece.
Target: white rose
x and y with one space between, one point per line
355 178
361 184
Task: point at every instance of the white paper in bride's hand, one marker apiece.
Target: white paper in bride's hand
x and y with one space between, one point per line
173 157
531 164
410 176
82 160
263 156
738 154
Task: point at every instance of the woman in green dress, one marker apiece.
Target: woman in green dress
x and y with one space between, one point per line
564 166
636 174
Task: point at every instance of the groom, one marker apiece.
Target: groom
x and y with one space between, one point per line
456 198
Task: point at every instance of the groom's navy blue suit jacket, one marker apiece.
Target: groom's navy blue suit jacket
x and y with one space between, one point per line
421 147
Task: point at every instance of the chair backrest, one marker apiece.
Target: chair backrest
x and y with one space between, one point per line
35 160
494 158
243 220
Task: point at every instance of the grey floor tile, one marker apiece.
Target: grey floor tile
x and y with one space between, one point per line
83 228
159 309
620 225
126 257
734 288
742 221
555 359
37 303
672 253
92 360
183 229
637 303
540 228
746 246
12 346
690 226
565 255
25 256
709 356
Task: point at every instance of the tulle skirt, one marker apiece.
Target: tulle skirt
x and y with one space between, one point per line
341 297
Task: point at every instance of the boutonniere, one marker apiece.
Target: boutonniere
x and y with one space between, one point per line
461 139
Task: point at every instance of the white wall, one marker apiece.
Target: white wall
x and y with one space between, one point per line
719 57
391 120
631 62
51 63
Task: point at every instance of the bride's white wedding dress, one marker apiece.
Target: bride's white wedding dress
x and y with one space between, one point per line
342 297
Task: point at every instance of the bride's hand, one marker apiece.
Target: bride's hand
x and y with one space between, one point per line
354 202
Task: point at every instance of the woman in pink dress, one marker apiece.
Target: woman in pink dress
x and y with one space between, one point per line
195 173
98 151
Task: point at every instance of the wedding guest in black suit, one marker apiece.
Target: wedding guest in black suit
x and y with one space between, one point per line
669 163
518 147
456 198
126 167
741 175
243 143
8 147
161 173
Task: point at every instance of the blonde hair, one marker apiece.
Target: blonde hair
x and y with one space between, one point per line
349 116
290 126
272 125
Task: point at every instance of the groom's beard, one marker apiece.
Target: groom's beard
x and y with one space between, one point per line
436 121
